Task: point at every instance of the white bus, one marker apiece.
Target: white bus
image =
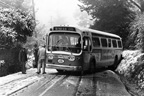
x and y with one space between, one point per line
77 49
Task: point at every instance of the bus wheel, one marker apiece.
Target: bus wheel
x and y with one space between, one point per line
60 71
92 66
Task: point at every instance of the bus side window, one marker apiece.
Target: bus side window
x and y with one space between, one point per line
104 42
87 44
114 43
119 44
96 42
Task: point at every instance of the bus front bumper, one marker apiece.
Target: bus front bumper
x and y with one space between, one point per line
64 67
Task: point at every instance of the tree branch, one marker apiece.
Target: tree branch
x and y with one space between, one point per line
138 6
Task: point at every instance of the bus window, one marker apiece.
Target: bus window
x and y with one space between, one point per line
114 43
87 44
109 42
96 42
104 42
64 42
119 44
78 43
90 44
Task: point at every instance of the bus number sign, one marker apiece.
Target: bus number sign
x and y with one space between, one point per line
64 28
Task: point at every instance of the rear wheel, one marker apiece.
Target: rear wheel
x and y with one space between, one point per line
115 64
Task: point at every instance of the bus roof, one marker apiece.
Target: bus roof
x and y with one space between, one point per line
80 29
99 32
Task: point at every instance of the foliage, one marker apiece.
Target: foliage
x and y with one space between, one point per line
15 26
110 15
132 68
137 31
16 4
83 19
136 38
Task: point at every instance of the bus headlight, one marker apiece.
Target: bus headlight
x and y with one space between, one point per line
50 56
71 58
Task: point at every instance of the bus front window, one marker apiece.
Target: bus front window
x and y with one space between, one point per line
69 42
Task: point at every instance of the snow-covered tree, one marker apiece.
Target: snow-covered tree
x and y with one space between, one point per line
15 26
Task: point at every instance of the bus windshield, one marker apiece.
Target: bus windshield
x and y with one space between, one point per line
69 42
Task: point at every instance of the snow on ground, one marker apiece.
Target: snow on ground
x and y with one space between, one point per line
14 86
131 70
11 77
131 59
14 82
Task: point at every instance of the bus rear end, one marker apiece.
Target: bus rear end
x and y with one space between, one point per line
64 49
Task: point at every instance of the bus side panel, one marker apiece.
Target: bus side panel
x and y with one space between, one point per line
108 56
97 54
105 57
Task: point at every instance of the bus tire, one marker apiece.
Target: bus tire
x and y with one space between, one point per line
92 66
60 71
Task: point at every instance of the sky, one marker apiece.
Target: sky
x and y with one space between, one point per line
55 12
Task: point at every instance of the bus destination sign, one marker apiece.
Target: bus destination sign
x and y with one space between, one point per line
64 28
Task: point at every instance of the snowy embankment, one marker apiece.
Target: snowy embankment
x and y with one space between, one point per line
132 68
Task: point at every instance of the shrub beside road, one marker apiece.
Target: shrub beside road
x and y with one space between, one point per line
131 70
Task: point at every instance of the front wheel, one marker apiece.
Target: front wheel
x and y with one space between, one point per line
92 66
60 71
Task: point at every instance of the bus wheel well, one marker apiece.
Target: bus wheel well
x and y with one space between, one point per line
121 57
115 63
115 60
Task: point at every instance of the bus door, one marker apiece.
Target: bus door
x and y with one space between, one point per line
87 46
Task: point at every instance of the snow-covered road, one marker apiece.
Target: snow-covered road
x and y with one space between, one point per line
105 83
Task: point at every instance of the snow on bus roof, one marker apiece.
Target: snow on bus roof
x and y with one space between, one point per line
98 32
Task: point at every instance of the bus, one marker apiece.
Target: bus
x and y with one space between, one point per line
80 49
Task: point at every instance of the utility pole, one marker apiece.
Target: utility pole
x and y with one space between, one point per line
33 4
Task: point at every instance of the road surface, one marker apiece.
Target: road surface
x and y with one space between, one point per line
105 83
